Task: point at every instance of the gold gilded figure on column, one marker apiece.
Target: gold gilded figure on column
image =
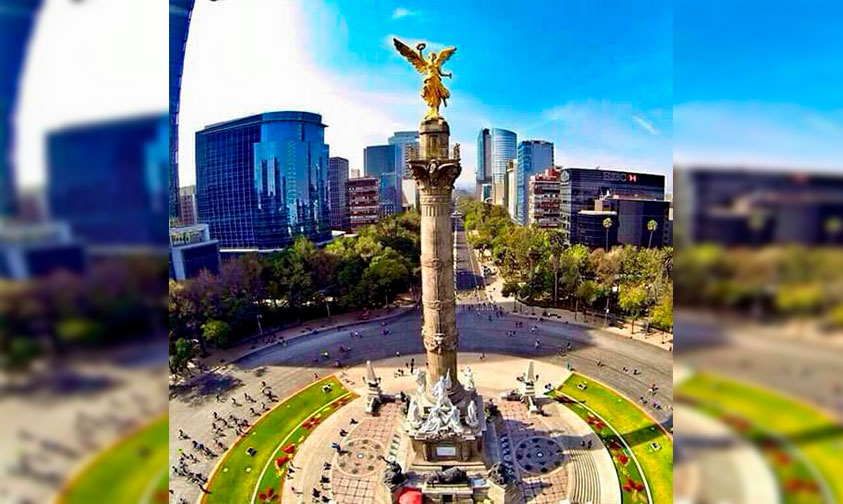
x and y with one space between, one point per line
433 91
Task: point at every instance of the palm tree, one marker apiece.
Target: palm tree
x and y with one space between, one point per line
607 224
652 225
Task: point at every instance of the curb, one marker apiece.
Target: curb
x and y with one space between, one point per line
401 312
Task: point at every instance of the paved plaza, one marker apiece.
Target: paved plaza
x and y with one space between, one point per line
551 453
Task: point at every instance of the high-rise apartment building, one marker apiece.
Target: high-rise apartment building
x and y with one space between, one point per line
262 180
363 202
383 162
543 194
337 196
187 206
534 156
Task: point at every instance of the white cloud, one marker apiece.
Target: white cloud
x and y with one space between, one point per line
88 62
243 61
646 125
401 12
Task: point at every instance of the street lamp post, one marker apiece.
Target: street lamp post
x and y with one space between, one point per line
258 318
328 307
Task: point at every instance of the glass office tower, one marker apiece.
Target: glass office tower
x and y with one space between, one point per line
338 180
383 162
483 171
180 12
534 156
263 180
108 182
503 150
16 21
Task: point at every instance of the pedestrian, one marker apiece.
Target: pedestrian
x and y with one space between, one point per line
315 376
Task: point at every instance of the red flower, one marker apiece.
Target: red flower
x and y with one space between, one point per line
279 462
290 448
623 459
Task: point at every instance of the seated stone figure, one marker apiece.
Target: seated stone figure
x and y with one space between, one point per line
451 476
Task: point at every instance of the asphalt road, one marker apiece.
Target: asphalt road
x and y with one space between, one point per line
288 368
811 372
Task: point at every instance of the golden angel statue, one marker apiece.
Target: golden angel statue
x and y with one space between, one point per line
433 91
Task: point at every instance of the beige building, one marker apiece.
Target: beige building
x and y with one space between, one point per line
544 204
511 187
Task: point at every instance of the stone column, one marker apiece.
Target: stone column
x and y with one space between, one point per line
435 174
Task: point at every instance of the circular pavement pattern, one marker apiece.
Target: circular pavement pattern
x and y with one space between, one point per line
360 457
539 455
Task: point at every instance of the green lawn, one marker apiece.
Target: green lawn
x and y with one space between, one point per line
131 471
636 428
800 431
237 477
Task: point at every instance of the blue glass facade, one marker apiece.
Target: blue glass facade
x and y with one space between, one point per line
262 180
534 156
16 21
108 181
383 162
483 171
503 150
180 13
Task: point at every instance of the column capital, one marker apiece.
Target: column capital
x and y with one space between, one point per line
435 175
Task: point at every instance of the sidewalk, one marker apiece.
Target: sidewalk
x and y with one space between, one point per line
655 338
219 358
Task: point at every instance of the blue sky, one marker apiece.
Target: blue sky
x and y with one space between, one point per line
595 78
759 83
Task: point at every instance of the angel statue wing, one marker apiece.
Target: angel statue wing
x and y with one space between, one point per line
444 55
411 55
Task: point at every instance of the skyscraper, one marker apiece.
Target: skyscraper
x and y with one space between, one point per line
383 162
483 171
263 179
337 194
187 206
180 13
407 143
504 148
534 156
580 187
16 21
108 182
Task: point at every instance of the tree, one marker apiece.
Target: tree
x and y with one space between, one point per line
587 293
556 242
217 332
181 353
607 225
833 228
632 298
661 314
652 225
